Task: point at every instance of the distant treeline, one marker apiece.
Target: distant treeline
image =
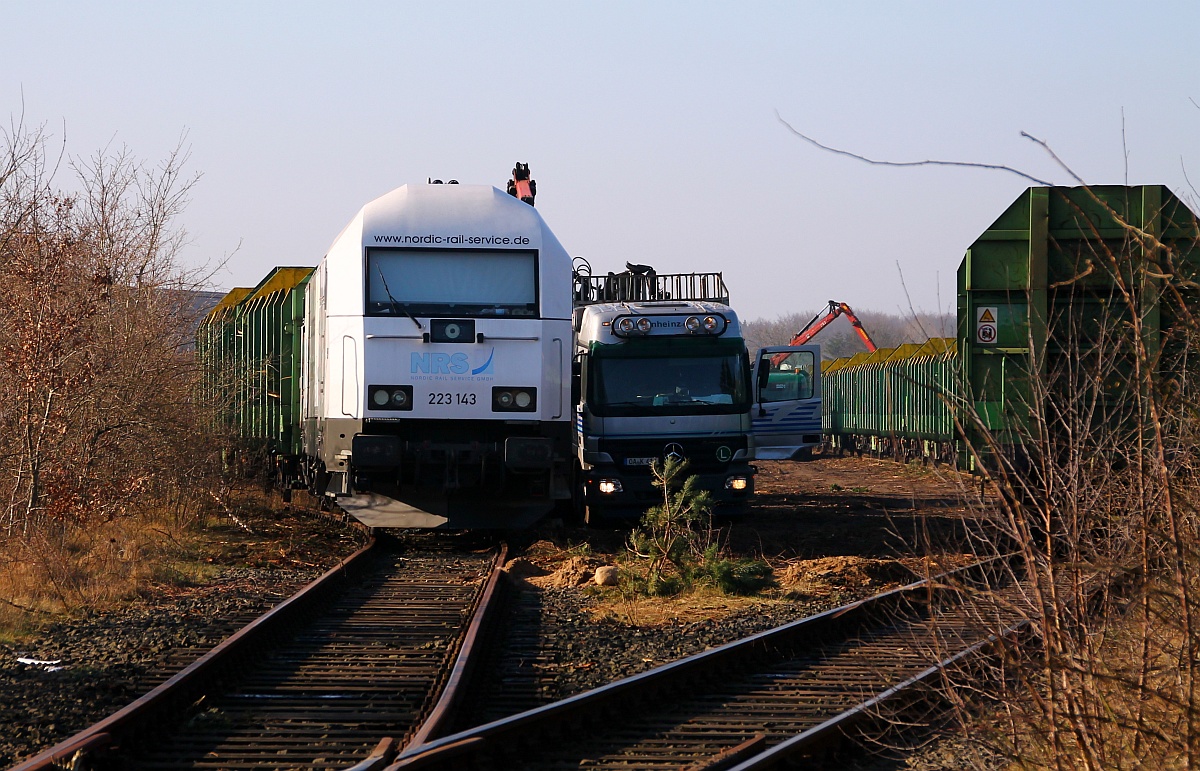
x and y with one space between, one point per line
839 338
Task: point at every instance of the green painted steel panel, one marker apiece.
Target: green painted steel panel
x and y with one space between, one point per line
1054 269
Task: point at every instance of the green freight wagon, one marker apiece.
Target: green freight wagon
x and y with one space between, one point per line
250 349
895 401
1047 297
214 349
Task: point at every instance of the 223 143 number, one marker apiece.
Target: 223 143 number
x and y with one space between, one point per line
449 398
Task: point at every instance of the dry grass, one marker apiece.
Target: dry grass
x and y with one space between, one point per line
703 603
72 569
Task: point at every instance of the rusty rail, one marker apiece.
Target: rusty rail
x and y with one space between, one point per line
191 682
832 659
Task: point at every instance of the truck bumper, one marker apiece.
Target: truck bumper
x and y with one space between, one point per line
620 493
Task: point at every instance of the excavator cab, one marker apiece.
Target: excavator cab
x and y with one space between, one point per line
787 402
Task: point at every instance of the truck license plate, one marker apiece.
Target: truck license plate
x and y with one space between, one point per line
639 461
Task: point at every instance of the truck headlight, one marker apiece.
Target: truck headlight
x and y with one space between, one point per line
736 483
610 486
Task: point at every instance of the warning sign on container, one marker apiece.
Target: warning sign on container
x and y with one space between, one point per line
985 325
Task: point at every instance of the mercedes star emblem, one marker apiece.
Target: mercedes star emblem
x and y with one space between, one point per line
673 450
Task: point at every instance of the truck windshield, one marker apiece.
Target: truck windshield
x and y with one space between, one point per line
669 385
451 282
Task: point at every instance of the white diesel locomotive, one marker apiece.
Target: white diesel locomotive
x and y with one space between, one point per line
436 362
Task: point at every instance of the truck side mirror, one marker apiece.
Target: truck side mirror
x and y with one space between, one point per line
764 371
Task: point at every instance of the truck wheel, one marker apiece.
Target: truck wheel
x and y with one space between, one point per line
591 516
578 517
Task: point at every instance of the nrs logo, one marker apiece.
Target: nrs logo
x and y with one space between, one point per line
448 364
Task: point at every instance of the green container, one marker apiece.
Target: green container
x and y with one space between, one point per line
214 349
1041 300
1044 286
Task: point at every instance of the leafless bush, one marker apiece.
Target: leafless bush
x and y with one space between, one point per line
96 414
1093 489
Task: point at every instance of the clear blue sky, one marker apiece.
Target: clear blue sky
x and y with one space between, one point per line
650 126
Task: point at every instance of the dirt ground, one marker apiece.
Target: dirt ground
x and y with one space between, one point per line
849 506
832 529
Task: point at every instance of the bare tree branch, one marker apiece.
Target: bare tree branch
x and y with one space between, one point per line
875 162
1059 161
1124 146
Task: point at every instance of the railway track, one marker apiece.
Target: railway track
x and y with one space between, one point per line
358 655
760 702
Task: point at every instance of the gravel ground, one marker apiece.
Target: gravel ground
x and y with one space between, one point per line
106 661
554 646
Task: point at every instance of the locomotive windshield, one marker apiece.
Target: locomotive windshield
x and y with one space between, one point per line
443 282
712 383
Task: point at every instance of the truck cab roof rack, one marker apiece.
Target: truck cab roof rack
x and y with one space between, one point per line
648 286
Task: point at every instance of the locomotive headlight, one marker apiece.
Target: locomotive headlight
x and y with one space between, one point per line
643 325
451 331
514 399
691 323
390 397
710 323
625 325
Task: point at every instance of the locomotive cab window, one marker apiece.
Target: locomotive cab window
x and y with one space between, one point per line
444 282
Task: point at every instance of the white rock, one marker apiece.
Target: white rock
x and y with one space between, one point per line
606 575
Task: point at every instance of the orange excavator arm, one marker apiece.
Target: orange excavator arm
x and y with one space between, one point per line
819 322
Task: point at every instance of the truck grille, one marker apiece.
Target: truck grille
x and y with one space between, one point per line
703 455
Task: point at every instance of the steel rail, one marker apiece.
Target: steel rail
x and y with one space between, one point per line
395 655
835 729
630 700
457 684
190 683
